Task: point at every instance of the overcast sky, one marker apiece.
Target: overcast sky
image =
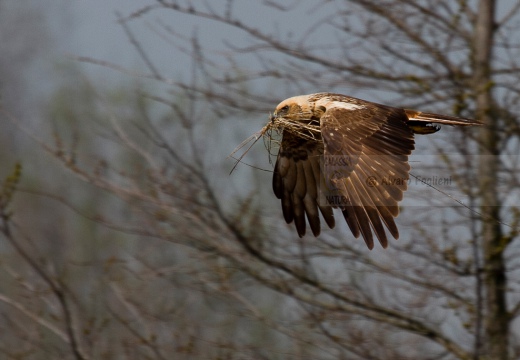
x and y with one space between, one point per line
90 28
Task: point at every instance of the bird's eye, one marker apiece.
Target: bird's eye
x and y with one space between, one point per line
285 108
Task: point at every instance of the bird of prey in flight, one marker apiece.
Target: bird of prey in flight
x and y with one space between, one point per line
346 153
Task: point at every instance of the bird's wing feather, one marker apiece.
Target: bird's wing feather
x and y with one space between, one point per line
377 142
297 173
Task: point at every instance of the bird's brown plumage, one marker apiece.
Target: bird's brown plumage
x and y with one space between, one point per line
347 153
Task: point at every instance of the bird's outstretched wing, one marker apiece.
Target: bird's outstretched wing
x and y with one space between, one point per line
297 175
375 143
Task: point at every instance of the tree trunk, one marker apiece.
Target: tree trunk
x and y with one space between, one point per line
496 320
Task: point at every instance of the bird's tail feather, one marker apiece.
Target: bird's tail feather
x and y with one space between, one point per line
439 119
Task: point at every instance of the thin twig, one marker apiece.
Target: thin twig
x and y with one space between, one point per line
56 289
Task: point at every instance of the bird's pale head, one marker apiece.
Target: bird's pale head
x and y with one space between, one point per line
297 108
